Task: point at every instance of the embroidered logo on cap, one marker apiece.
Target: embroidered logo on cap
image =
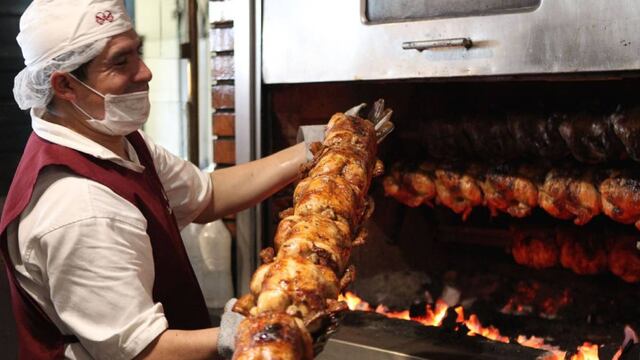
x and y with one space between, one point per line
103 17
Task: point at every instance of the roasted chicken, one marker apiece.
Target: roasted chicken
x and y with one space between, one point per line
293 299
511 190
626 125
458 189
412 187
624 259
620 194
583 252
566 194
272 336
535 248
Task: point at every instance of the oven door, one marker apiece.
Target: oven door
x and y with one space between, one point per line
338 40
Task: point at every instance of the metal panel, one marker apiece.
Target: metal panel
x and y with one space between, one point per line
247 87
314 41
406 10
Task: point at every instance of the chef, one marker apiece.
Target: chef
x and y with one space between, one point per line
90 229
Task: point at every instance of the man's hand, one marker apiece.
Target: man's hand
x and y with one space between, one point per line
379 116
228 328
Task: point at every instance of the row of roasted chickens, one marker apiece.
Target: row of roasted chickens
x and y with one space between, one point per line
583 252
576 194
588 136
292 303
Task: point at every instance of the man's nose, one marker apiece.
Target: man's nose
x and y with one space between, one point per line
144 73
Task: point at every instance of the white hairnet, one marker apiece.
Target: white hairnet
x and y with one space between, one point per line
61 35
32 86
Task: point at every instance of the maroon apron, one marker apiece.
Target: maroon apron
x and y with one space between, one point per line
175 284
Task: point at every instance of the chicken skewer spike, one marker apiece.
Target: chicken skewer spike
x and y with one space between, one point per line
293 300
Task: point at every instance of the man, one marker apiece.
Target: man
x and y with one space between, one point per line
89 231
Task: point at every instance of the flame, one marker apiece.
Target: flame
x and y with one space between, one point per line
434 316
354 302
587 351
475 328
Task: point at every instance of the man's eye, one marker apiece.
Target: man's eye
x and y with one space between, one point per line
119 61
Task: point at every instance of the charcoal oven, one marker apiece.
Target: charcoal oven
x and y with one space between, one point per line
536 90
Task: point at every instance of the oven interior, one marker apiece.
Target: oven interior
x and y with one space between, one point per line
418 255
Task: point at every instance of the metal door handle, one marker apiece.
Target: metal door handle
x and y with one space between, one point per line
434 44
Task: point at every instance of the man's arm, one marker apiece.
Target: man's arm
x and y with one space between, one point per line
242 186
184 345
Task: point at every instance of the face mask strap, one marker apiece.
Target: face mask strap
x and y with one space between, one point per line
87 86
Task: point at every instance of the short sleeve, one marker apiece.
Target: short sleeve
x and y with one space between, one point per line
188 188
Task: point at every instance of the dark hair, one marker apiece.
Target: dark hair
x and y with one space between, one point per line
81 71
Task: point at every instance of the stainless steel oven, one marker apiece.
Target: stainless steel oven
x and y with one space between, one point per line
475 72
337 40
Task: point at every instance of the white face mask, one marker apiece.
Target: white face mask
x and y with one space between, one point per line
123 114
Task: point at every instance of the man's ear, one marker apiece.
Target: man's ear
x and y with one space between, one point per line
63 86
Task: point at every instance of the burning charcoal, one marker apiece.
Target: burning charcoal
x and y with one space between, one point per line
626 125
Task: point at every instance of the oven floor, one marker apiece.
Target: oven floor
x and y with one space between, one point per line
371 336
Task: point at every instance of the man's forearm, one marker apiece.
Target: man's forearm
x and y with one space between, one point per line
242 186
183 345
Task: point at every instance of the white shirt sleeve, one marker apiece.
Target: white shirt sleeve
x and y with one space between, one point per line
85 256
188 188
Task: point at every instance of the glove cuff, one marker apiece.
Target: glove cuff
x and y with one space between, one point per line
310 134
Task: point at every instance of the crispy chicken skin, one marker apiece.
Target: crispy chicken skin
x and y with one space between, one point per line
457 190
624 259
567 195
316 238
620 194
330 196
350 164
510 190
412 187
293 285
582 252
292 304
273 336
535 248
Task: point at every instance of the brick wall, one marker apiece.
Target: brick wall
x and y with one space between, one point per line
223 89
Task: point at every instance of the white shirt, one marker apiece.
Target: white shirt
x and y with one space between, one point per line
82 251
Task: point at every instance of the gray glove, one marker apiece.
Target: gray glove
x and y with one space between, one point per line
228 328
310 134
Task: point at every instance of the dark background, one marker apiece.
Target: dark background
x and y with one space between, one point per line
14 129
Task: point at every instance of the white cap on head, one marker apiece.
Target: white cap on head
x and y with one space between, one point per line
49 28
61 35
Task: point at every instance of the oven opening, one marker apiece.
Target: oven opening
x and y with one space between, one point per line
505 223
